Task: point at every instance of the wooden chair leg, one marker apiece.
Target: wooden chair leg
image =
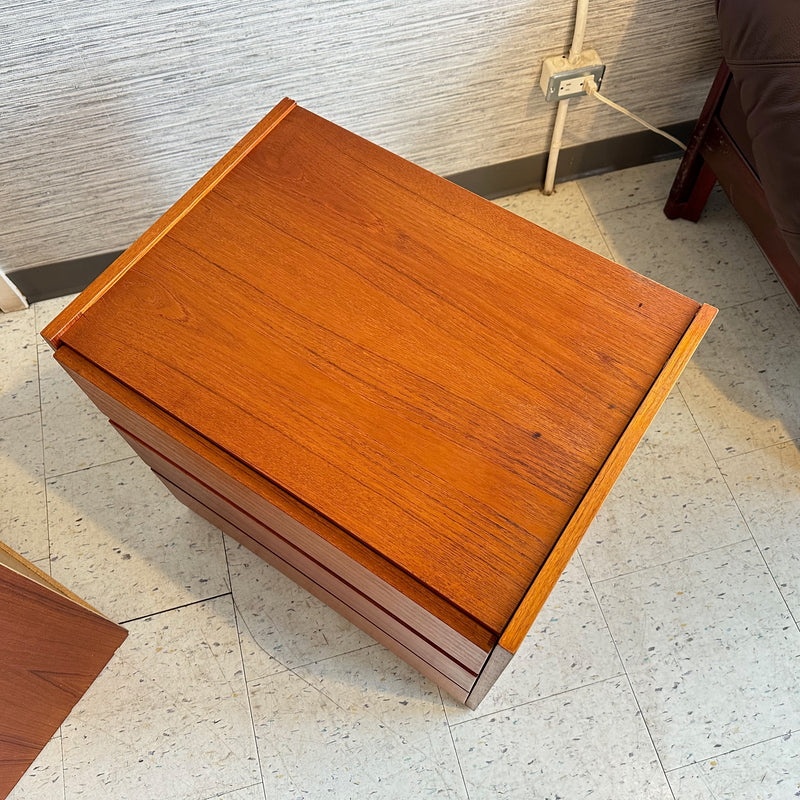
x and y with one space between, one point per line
687 199
694 180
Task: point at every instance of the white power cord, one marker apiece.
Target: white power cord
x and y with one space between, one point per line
590 87
581 14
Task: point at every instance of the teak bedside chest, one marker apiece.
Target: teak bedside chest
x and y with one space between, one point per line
404 397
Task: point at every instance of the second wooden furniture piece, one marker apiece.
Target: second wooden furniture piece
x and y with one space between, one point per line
404 397
720 151
52 647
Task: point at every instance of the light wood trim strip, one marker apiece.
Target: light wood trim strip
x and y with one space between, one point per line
545 580
54 332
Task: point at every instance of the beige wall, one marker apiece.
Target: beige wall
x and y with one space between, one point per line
111 110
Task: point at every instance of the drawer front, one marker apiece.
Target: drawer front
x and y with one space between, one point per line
295 557
458 692
469 644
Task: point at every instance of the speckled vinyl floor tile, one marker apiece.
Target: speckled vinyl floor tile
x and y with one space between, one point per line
44 779
625 188
715 260
766 485
743 384
23 507
669 502
360 725
564 213
568 646
19 375
712 653
76 434
169 717
124 544
590 742
281 624
765 771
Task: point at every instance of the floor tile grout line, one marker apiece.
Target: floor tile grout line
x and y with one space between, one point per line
725 459
293 667
537 700
333 700
611 251
174 608
44 466
131 457
286 667
697 425
227 793
337 655
671 560
770 296
26 413
452 739
63 770
739 508
628 208
761 553
244 667
630 683
775 738
338 705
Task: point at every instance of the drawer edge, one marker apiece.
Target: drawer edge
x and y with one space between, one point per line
460 693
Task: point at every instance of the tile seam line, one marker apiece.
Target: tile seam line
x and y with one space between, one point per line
596 222
24 413
236 615
761 553
775 738
540 699
287 667
672 560
625 208
630 684
741 513
44 472
131 457
174 608
725 459
229 792
453 741
63 768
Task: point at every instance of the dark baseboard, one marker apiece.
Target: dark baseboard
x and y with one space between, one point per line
581 161
496 180
63 277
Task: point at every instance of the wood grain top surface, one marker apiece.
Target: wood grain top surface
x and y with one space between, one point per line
437 376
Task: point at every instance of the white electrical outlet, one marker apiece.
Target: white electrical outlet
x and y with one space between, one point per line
561 79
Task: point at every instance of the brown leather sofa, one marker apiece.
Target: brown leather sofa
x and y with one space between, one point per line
748 135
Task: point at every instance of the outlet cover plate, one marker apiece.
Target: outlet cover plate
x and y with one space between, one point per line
561 79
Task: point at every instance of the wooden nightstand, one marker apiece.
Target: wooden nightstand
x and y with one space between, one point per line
406 398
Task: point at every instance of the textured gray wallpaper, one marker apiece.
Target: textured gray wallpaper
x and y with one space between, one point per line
109 111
